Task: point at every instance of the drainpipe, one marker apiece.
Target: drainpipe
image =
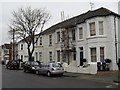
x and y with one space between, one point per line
115 38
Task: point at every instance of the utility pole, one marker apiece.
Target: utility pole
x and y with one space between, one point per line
13 45
115 39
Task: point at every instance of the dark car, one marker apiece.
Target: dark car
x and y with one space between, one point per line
12 64
30 66
3 62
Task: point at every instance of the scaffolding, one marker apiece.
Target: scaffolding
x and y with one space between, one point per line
67 45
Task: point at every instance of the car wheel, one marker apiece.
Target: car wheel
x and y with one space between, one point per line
10 68
48 74
24 70
18 68
6 67
37 72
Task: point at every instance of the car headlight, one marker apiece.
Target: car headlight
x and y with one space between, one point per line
33 67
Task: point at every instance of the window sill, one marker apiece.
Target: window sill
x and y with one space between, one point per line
92 62
39 46
80 40
92 37
58 42
50 45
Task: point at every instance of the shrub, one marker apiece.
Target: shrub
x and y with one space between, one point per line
108 60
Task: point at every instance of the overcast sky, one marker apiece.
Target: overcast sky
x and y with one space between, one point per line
71 8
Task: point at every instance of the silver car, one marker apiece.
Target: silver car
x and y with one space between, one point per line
50 69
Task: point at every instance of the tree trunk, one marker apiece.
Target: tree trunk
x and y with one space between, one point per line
30 52
30 57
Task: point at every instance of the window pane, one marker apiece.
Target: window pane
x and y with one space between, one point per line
101 53
50 39
40 56
40 40
93 58
73 34
100 27
58 56
80 33
92 29
93 54
58 36
50 56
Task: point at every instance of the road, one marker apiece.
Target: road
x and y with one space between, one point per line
19 79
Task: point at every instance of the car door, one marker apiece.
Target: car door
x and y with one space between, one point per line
41 69
46 69
27 66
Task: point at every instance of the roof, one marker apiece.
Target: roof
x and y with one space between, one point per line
7 46
80 19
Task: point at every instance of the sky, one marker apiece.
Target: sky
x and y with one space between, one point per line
71 8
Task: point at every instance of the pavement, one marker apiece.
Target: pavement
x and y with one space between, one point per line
111 77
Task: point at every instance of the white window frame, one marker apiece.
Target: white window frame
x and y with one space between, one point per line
82 32
50 55
21 47
7 51
101 29
92 30
40 41
40 56
50 40
36 56
94 54
103 53
58 37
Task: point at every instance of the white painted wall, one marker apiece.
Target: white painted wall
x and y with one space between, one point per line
107 40
22 52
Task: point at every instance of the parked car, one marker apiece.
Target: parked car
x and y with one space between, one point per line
2 62
50 69
30 66
12 64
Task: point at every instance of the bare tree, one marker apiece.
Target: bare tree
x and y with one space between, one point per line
26 23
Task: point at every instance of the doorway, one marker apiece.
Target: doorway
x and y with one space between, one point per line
81 56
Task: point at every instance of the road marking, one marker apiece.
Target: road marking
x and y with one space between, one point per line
116 83
54 78
109 86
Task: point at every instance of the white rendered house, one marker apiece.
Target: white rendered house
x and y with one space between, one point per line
94 36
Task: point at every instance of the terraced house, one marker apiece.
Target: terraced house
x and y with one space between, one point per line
6 52
91 37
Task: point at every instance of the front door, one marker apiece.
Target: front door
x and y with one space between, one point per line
81 56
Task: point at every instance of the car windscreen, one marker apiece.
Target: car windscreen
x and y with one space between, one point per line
56 65
14 62
34 63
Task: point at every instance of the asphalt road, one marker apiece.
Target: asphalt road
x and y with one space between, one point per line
19 79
